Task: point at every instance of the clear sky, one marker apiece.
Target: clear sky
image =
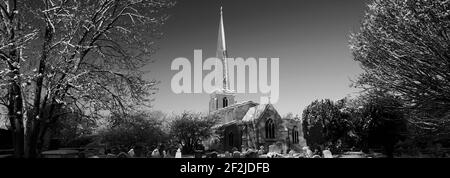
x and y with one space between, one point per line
309 36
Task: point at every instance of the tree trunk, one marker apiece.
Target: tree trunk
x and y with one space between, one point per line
31 148
15 108
15 103
15 115
36 115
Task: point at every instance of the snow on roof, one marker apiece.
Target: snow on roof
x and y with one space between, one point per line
255 112
221 90
236 105
226 124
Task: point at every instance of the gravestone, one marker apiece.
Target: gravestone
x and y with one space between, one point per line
178 154
316 156
227 154
271 148
327 154
307 152
155 153
131 152
261 150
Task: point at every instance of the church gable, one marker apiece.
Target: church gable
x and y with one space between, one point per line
270 124
256 113
266 124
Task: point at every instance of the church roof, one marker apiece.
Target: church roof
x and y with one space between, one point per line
255 113
221 90
226 124
237 105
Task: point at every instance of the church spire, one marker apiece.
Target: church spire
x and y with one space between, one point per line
224 97
222 51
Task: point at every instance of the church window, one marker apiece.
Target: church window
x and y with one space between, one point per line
217 103
225 102
270 129
295 135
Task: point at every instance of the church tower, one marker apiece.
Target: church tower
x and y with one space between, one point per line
222 97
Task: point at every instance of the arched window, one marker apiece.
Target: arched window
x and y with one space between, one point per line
225 102
217 103
295 135
230 139
270 129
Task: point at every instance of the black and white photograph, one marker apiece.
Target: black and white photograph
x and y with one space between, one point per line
224 79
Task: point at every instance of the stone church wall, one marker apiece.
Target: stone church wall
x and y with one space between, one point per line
255 133
283 133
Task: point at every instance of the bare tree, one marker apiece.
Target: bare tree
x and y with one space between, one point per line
403 47
80 55
12 41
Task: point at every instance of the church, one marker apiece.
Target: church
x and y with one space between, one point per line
248 124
